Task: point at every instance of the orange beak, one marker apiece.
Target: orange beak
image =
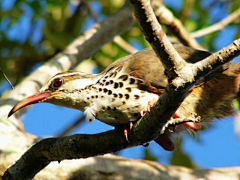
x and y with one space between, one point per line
36 98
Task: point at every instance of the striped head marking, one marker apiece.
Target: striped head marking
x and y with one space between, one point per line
69 81
63 89
69 89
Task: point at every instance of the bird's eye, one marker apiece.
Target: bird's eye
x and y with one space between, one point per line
57 82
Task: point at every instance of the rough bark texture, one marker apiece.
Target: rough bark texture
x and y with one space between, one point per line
14 141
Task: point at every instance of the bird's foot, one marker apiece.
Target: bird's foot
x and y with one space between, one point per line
127 129
126 132
192 122
150 105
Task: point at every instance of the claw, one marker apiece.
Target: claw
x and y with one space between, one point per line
127 128
125 131
192 122
131 125
148 108
151 104
176 116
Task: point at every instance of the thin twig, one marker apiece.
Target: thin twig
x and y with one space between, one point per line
218 26
117 39
9 82
188 5
83 146
91 12
156 37
124 45
71 127
166 17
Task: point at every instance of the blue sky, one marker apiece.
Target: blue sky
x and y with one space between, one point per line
217 147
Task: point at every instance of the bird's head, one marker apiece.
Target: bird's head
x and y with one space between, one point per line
63 89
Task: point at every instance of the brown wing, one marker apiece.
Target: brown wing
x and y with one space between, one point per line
189 54
146 66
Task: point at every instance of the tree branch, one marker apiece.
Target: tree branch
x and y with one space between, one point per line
124 45
182 79
174 25
114 167
80 49
156 37
182 75
218 26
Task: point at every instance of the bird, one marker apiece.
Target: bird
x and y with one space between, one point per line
130 87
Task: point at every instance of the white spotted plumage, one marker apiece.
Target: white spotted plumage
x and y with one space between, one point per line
117 105
118 95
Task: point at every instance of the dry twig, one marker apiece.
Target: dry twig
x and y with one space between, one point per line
9 82
218 26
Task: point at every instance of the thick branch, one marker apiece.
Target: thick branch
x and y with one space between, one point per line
114 167
174 25
182 74
58 149
156 37
82 146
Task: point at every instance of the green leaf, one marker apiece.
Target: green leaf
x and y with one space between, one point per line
180 158
148 155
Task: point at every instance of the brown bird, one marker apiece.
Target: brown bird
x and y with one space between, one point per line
125 91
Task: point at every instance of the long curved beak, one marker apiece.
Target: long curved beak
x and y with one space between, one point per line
36 98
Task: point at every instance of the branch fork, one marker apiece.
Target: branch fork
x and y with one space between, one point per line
182 77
